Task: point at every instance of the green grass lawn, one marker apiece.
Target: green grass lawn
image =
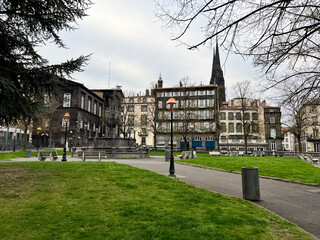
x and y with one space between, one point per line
96 200
23 154
289 168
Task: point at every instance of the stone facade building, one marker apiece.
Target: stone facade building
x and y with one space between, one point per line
138 114
311 129
196 113
88 113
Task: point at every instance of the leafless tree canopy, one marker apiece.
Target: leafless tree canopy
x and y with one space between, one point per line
281 35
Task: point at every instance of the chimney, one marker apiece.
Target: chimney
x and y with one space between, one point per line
147 92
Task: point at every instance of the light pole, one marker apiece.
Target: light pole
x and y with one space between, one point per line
171 101
66 118
227 135
14 138
192 129
38 145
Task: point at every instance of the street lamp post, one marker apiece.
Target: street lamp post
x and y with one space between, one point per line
171 102
66 120
227 135
38 145
192 129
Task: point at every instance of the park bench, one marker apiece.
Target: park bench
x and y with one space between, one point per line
187 155
92 155
214 153
258 153
311 158
42 155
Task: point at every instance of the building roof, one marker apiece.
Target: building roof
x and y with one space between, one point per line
188 87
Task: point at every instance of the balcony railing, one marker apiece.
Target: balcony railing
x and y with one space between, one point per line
241 141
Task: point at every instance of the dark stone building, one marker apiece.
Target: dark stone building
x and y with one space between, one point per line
88 114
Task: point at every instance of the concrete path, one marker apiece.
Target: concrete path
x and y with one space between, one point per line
297 203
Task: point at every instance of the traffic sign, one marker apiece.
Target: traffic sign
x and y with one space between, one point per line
14 134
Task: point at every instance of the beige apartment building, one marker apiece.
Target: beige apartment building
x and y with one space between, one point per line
138 115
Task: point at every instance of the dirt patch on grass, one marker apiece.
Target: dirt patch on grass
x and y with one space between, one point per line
13 173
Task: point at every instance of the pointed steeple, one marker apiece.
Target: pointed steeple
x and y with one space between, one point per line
217 73
160 82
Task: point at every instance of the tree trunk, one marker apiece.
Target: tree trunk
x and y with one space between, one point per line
25 136
155 142
299 144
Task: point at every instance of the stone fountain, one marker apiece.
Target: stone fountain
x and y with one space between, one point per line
112 143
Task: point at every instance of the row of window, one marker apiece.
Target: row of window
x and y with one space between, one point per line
181 127
144 108
238 116
139 100
189 103
186 93
94 110
232 128
90 108
183 115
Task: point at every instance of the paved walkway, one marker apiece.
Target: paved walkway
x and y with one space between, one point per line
297 203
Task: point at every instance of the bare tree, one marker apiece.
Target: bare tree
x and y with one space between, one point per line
279 35
243 92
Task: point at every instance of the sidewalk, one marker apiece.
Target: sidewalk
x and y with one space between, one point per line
297 203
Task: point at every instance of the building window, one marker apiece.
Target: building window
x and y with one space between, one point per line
67 100
130 108
254 116
193 93
246 116
144 108
273 133
238 116
201 103
210 92
144 100
160 104
143 119
82 101
94 127
223 116
168 94
100 110
210 103
315 133
272 120
139 100
239 127
223 127
231 128
95 107
202 92
81 124
131 120
255 128
130 100
175 94
89 104
315 120
230 116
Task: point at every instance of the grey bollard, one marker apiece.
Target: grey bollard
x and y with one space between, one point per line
167 155
250 183
28 153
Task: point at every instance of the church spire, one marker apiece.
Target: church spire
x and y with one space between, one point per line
217 73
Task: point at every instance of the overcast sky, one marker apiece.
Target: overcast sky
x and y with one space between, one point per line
127 35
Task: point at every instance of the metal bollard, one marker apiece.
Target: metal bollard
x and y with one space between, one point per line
28 153
250 183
